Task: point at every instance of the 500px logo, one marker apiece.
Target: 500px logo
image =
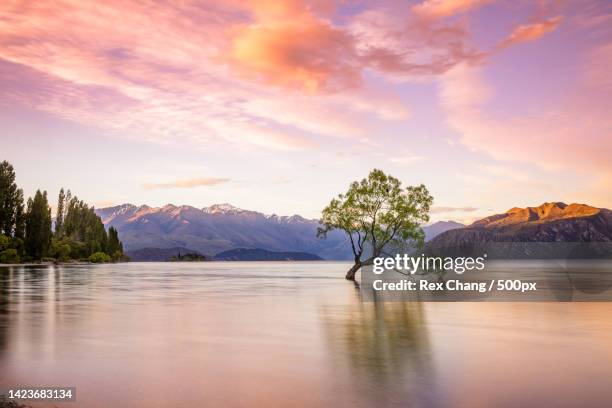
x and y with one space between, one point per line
410 264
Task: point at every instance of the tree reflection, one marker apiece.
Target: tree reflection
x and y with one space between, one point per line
5 283
385 347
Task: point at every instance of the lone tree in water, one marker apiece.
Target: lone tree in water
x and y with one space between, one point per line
377 213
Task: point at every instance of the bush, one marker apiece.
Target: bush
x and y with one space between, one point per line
14 244
63 252
99 257
117 256
9 256
5 242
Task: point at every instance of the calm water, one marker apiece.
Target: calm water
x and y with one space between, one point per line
287 334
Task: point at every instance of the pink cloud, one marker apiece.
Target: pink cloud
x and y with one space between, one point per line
154 78
572 136
446 8
532 31
446 210
406 160
294 47
597 68
288 45
187 183
401 46
254 74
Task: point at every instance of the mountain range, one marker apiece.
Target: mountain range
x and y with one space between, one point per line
549 230
211 230
151 233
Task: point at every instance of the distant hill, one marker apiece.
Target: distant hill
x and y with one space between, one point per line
549 230
246 254
435 229
158 254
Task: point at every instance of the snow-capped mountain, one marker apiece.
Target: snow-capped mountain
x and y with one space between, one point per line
223 209
219 228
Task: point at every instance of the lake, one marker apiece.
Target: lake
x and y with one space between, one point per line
287 334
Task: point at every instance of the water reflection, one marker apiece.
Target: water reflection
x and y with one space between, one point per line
287 334
386 349
5 277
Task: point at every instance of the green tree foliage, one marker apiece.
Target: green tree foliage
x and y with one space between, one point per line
59 216
8 252
63 252
114 246
79 232
9 256
20 217
377 213
99 257
38 226
12 216
81 224
83 231
11 203
188 257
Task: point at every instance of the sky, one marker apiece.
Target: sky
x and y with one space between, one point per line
276 106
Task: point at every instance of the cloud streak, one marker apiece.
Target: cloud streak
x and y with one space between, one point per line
446 8
187 183
531 32
446 210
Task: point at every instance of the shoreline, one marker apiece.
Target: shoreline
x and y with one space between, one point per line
165 262
50 263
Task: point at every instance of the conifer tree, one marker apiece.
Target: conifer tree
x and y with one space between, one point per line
20 217
38 226
114 245
59 218
11 201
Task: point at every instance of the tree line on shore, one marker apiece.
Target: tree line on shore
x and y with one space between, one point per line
27 233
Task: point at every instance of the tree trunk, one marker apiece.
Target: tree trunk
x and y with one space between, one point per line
350 275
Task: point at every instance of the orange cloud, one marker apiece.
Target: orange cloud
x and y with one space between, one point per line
445 8
104 204
189 183
295 44
531 32
289 45
445 210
